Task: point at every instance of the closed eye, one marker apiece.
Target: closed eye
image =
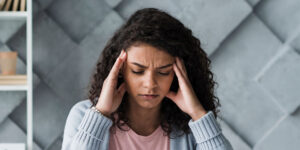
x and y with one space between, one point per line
141 72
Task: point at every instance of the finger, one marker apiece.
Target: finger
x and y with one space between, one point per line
181 67
113 75
122 89
178 74
178 67
183 71
120 92
171 95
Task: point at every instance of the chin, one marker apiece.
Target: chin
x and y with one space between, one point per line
149 104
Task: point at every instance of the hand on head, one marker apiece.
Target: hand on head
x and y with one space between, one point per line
110 97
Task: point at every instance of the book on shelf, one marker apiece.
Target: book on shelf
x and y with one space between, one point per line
23 5
17 79
2 2
15 5
8 4
12 5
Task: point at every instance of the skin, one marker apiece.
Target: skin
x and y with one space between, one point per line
151 79
144 114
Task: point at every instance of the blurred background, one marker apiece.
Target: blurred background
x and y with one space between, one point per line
254 46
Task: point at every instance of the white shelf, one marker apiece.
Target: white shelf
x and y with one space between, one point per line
13 15
13 87
12 146
26 15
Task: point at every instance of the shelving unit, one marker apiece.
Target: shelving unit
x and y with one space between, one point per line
26 15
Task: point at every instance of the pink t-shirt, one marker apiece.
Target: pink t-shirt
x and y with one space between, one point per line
129 140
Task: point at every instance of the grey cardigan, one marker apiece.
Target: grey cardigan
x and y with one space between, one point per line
86 129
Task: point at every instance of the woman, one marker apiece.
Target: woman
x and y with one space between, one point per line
152 89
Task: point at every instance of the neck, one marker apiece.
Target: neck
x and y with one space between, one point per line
143 121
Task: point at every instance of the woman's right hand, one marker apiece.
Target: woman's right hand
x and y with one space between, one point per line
110 98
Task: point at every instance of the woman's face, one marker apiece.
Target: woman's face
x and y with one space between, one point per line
147 70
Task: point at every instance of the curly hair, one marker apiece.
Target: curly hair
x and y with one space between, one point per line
159 29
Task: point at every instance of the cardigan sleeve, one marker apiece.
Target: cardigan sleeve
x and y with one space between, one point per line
85 129
208 134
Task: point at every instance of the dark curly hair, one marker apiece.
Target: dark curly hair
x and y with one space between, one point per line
159 29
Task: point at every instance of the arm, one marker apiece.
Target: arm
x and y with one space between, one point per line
86 129
208 134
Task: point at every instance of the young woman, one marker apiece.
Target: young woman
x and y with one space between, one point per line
152 89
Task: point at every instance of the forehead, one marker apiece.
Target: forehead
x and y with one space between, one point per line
145 53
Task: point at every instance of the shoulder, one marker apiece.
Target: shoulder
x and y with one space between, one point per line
78 109
75 117
81 106
181 139
77 112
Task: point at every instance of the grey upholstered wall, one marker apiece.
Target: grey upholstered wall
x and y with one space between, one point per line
254 46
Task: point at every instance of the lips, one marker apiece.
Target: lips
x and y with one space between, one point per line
149 96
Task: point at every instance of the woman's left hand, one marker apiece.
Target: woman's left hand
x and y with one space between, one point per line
185 98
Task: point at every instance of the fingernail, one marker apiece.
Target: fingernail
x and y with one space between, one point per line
123 54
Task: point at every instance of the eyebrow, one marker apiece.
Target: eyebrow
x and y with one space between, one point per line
142 66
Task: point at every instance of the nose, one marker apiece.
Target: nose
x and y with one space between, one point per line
150 81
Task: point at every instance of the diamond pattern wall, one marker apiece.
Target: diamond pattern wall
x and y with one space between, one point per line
253 44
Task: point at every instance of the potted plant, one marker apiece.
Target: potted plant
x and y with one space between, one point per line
8 62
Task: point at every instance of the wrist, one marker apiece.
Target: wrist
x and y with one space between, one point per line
99 110
198 113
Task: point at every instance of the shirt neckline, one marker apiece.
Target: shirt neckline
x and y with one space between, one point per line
144 138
